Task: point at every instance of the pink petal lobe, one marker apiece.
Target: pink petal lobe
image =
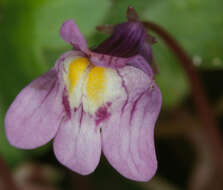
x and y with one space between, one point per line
33 118
71 34
139 62
128 137
77 144
108 61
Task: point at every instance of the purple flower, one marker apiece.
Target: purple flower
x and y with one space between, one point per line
103 99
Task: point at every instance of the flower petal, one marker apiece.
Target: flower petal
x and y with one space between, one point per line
125 41
77 144
145 50
71 34
127 137
108 61
33 118
139 62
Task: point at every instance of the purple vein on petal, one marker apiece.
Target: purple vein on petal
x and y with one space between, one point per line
134 107
66 104
126 91
130 131
130 150
48 93
82 114
44 99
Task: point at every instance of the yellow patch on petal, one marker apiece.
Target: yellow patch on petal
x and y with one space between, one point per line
90 85
76 70
96 85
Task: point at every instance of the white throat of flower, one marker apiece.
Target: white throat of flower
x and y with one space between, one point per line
91 85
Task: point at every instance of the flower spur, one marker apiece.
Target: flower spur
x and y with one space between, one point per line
103 99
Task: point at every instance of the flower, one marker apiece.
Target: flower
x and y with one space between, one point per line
103 99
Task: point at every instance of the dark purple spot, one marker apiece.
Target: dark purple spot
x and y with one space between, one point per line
102 114
109 104
66 104
82 114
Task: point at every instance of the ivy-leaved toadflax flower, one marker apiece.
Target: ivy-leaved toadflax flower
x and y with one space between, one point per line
93 101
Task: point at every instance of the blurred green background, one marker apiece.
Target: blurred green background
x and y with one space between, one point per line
30 44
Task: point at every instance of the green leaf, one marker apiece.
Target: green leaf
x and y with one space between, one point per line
118 10
52 13
171 80
196 24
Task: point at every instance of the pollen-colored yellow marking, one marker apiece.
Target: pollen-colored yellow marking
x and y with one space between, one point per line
76 70
96 84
